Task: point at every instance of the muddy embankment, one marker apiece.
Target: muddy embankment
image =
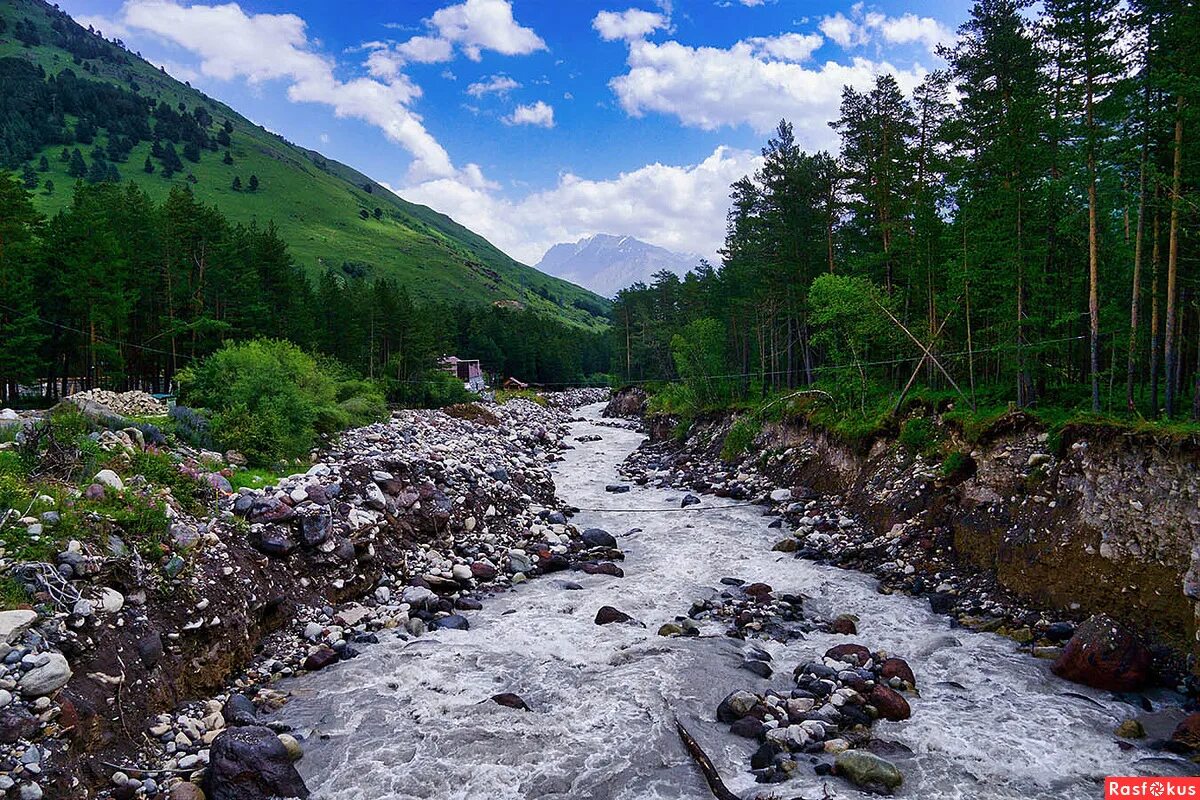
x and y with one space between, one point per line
1087 521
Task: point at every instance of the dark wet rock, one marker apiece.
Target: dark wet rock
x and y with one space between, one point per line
556 562
453 622
314 529
597 537
689 500
942 602
844 624
788 545
319 659
239 710
251 763
510 700
608 615
760 668
1105 655
890 704
602 568
765 755
735 706
150 649
17 723
617 488
275 540
468 604
748 727
270 509
483 571
1186 736
1060 631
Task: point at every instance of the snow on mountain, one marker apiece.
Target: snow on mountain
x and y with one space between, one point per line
606 264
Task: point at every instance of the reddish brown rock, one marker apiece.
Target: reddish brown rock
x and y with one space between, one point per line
321 658
897 668
1105 655
849 653
1187 733
890 704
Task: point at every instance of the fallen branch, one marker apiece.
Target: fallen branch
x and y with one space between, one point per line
711 776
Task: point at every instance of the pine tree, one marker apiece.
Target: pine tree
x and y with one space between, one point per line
78 167
253 185
228 160
148 167
237 183
43 164
29 177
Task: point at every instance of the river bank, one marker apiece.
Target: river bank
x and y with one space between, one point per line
408 525
1022 529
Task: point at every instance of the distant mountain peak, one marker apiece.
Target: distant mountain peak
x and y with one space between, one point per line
606 263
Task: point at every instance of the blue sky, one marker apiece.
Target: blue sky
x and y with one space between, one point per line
539 121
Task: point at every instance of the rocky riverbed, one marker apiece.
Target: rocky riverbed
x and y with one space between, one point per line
572 686
141 682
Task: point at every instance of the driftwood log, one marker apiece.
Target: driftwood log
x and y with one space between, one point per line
711 776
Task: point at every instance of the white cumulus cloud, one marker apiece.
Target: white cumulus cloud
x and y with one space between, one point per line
710 88
678 207
633 23
231 43
538 114
861 27
478 25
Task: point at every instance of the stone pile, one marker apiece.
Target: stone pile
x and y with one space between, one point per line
825 722
126 404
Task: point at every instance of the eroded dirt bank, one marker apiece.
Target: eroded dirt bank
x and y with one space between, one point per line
1023 528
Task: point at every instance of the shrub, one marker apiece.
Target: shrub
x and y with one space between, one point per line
740 438
192 427
504 395
958 466
267 398
918 436
429 389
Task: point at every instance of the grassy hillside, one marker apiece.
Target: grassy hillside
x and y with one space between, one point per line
316 203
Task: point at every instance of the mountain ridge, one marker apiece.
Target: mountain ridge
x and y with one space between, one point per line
330 214
606 263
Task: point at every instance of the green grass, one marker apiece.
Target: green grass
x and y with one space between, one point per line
504 395
741 437
252 478
12 594
314 202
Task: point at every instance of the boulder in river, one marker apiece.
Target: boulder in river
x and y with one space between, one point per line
849 653
897 668
890 704
736 705
1105 654
250 763
608 615
868 771
598 537
510 700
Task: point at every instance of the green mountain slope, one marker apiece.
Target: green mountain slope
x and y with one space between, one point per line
318 204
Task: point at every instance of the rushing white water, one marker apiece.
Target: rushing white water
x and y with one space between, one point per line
412 719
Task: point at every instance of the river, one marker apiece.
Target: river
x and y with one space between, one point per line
411 719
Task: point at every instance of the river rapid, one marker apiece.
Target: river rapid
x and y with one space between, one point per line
411 718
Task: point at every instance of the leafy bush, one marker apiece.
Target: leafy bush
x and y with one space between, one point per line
699 354
162 470
429 389
365 407
740 438
267 398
